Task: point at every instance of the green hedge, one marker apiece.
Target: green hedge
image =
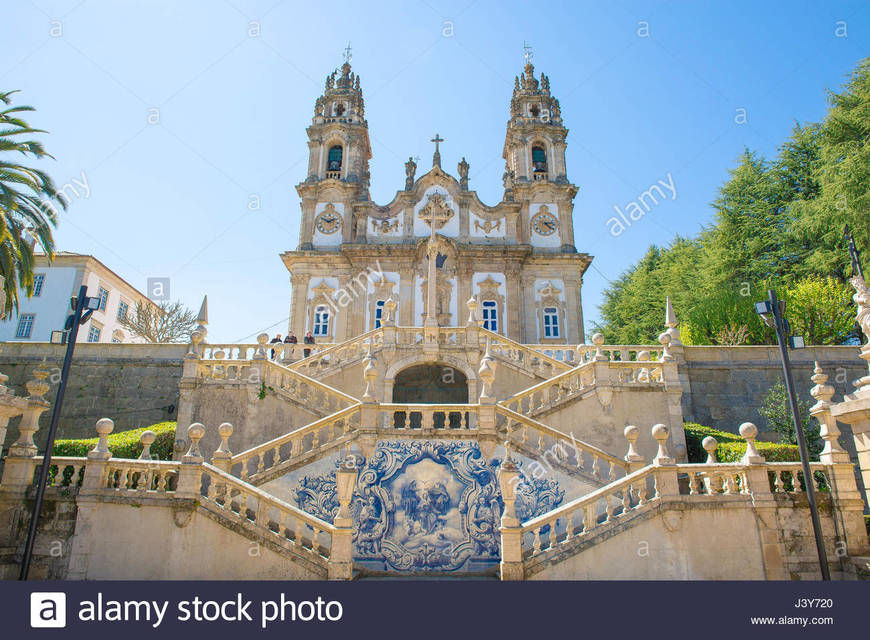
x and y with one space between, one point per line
732 447
124 444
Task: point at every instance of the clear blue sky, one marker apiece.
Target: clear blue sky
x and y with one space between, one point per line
171 199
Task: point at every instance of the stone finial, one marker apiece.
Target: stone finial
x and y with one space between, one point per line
598 341
195 432
202 318
660 433
710 443
632 433
822 392
672 324
147 439
370 373
262 340
748 431
389 319
104 427
665 341
472 305
486 372
38 387
194 350
224 431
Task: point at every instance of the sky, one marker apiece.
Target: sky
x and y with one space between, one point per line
186 120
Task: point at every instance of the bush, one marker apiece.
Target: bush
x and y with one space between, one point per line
732 447
695 434
124 444
772 451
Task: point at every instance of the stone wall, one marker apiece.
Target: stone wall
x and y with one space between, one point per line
134 384
728 383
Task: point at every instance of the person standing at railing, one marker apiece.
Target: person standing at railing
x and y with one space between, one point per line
308 339
276 339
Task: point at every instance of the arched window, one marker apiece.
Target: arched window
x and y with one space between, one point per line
551 322
333 161
490 315
321 320
379 313
338 109
539 159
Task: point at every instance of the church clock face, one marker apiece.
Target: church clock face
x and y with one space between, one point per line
544 223
328 221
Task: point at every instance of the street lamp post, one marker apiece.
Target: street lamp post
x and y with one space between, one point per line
81 303
771 312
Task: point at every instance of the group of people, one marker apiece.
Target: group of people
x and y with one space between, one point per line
291 339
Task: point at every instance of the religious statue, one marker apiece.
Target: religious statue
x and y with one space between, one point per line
463 174
862 299
410 170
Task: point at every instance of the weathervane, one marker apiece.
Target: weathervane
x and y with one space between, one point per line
528 55
347 53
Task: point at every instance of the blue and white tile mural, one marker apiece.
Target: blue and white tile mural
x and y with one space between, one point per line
426 506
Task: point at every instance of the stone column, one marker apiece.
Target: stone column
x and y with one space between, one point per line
529 309
341 554
407 312
222 457
190 473
511 566
666 472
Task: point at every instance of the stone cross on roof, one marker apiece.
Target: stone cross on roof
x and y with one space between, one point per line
527 52
436 157
347 54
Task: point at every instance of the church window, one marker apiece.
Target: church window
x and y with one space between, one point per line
333 162
539 159
551 322
379 313
535 110
321 320
339 109
490 315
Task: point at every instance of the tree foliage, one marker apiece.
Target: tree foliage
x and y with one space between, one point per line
166 322
777 412
778 224
27 197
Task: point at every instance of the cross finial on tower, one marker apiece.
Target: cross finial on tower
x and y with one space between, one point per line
527 52
347 53
436 157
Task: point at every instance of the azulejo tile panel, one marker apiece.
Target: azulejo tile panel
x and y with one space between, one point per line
427 506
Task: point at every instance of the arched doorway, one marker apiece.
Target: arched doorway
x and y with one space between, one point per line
430 384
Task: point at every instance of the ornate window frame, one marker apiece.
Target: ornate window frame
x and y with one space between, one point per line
549 296
322 298
487 291
383 290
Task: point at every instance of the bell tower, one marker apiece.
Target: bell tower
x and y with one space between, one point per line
535 170
338 161
534 147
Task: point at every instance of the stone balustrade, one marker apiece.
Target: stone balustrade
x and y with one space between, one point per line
550 444
523 356
278 352
140 476
581 517
306 391
552 392
427 417
303 444
280 522
338 355
64 471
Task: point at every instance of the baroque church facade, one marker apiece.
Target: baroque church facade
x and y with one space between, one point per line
516 257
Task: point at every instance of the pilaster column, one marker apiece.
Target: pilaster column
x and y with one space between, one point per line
511 566
299 306
529 310
513 302
573 315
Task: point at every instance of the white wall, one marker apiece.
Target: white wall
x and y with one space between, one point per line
51 307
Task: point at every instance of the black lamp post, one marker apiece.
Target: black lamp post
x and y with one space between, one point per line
771 311
79 305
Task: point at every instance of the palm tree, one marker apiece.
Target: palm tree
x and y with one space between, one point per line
27 209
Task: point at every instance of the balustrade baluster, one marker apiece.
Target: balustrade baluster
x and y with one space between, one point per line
626 499
609 508
693 483
261 462
590 518
569 527
536 544
551 543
